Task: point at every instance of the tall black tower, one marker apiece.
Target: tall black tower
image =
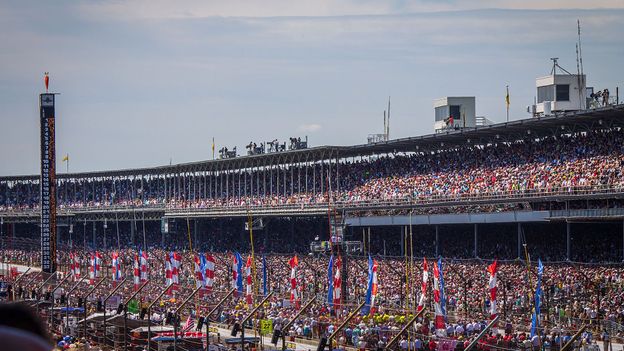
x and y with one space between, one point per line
48 183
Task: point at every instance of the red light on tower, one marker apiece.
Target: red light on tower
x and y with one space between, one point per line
46 80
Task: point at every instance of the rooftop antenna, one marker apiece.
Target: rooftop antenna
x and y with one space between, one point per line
578 22
555 65
388 125
579 59
385 126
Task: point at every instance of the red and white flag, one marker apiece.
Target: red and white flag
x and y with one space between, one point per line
116 268
439 314
172 270
235 274
94 267
143 257
337 284
74 266
294 298
136 273
199 274
423 286
249 293
492 269
209 272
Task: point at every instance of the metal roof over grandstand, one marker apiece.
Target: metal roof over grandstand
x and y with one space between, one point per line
605 117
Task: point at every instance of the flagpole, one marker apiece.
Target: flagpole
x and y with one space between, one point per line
507 101
253 259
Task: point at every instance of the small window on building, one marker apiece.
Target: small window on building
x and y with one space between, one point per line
455 111
545 93
563 92
441 113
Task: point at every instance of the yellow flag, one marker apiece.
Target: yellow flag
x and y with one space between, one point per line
507 97
66 158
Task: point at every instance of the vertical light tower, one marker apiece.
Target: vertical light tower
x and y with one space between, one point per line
48 180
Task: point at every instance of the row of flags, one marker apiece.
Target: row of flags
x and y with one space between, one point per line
205 273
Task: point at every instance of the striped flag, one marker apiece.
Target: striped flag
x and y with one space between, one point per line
172 270
189 324
136 273
143 257
337 283
237 273
371 290
438 297
492 269
116 268
208 262
74 265
249 294
94 267
294 299
423 287
199 274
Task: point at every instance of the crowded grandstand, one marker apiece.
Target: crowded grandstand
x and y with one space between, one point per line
510 236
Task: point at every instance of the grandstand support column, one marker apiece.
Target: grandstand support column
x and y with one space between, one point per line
93 227
476 240
519 240
622 240
568 240
437 241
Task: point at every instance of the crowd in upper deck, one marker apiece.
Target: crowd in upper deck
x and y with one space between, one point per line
587 160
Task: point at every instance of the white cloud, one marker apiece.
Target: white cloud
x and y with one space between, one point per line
309 128
151 9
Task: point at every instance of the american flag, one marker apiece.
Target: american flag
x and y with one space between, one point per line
189 324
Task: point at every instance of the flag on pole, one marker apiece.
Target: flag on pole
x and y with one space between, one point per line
249 293
507 97
213 148
94 267
176 260
371 291
65 158
116 268
337 283
423 286
237 273
294 298
172 270
330 281
74 266
143 257
136 272
189 324
199 274
535 322
438 299
492 269
208 262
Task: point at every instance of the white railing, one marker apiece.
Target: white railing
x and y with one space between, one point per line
336 202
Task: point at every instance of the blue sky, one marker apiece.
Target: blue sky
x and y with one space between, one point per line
143 82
